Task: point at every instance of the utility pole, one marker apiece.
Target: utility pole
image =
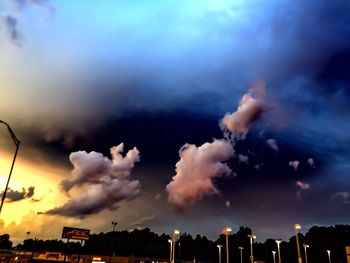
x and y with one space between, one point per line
17 142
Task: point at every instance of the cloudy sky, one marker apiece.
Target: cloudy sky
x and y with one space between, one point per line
175 114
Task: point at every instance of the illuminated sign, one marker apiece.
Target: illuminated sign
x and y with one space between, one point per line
75 233
97 260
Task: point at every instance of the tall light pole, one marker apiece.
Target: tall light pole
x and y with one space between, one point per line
329 256
251 237
297 227
17 142
219 247
227 231
278 242
305 248
241 253
171 249
114 223
274 256
175 233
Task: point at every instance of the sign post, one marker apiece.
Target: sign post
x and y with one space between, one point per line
75 233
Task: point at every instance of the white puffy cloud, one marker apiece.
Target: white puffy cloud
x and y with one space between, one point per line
93 167
311 162
243 158
158 196
106 182
258 166
195 171
249 110
273 145
294 164
302 185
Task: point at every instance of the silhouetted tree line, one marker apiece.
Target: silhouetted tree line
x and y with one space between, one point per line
144 243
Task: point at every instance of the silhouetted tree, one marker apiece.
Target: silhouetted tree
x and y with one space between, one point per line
5 242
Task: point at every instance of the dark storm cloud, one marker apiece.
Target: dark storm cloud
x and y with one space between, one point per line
274 41
15 196
98 197
103 182
21 4
144 222
10 23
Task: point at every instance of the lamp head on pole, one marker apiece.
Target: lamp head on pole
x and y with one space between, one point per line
278 241
306 246
297 226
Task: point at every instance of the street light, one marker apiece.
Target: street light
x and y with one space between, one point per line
278 242
305 248
241 253
17 142
219 247
227 230
274 256
28 233
171 248
252 236
329 256
175 233
114 223
297 227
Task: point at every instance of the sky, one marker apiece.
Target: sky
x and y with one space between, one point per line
193 115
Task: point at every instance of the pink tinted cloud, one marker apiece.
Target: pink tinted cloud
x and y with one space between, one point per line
243 158
273 144
302 185
195 171
294 164
106 182
93 167
249 110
